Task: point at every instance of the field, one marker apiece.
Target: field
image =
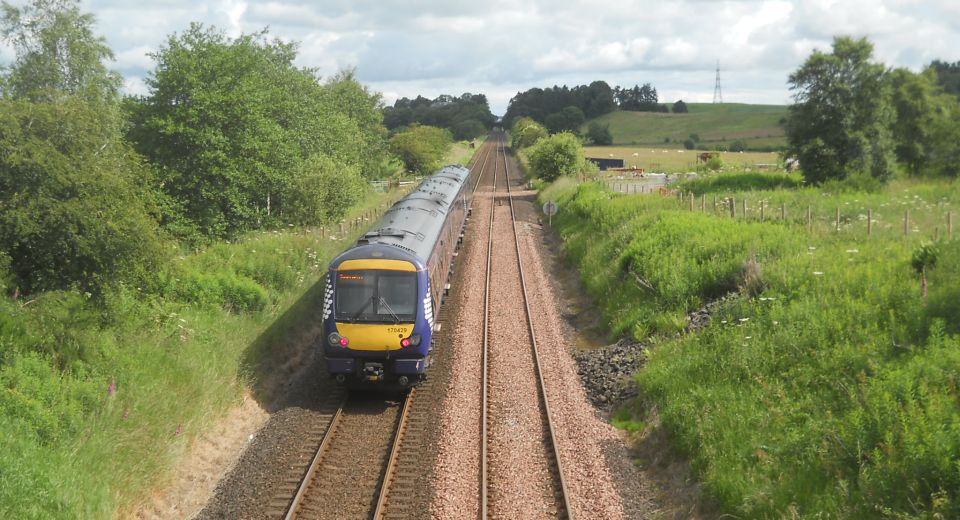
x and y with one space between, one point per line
717 125
825 384
672 159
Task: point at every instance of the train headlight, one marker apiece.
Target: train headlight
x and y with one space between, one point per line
336 340
412 341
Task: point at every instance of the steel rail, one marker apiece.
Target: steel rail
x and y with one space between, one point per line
533 341
484 499
314 464
380 511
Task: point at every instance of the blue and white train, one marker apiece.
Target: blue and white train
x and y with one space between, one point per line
382 294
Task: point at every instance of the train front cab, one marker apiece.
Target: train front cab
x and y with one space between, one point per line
377 321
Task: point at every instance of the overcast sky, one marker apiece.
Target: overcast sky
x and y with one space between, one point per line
498 48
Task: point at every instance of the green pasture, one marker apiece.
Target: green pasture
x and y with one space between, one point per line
674 158
716 125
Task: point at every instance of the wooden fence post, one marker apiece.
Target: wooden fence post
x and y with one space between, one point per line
869 222
783 211
744 207
838 219
690 198
703 203
761 209
809 219
906 222
733 207
714 203
950 225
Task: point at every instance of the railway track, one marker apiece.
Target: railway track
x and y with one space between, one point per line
490 492
375 478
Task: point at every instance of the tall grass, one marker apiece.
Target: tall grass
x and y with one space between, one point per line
826 386
98 399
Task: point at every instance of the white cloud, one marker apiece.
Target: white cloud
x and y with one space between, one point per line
431 47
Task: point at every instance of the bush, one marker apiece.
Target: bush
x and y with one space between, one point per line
322 191
557 155
421 147
526 132
599 134
733 182
689 144
738 145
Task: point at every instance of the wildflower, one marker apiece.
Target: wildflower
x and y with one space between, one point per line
747 337
812 248
818 273
179 430
775 322
744 319
724 321
853 250
112 388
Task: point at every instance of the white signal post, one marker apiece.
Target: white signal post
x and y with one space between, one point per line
550 209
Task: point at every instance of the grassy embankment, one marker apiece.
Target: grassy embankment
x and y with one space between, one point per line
828 386
99 399
720 124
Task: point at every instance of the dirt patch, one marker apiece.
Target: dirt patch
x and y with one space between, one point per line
208 458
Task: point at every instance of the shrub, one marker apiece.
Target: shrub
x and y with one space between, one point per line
421 147
557 155
731 182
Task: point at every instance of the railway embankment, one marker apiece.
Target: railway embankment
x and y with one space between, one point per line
803 365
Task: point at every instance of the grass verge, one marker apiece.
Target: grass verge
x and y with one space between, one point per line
826 384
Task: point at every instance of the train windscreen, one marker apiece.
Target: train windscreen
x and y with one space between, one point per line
376 296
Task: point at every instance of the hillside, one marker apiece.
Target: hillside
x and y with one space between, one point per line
717 125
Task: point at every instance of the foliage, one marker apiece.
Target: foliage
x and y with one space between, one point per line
57 53
734 182
599 134
570 119
639 99
689 144
421 147
829 393
467 116
840 122
526 132
593 100
680 107
228 122
322 191
948 75
555 156
63 175
738 145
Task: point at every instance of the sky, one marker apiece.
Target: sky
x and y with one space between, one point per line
499 48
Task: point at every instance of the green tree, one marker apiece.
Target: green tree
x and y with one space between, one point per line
229 122
526 132
599 133
738 145
421 147
840 122
556 155
75 201
923 111
57 53
570 119
680 107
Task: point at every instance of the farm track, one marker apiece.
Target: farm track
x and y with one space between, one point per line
521 472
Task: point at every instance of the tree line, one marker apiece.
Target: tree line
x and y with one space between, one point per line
97 188
857 119
466 117
565 109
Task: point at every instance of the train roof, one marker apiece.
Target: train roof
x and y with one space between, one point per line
413 223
